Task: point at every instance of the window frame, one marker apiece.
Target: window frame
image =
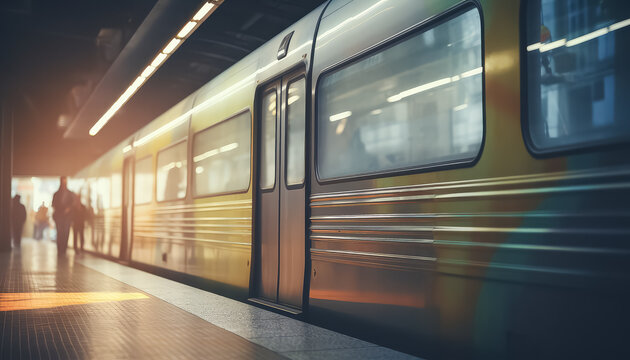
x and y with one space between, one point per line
157 156
135 172
192 156
296 78
396 39
559 151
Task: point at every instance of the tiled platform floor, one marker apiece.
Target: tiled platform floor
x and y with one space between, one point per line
87 307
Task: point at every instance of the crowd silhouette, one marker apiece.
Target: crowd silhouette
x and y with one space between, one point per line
68 213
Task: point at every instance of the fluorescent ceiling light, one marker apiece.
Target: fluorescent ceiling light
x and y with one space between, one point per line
148 71
186 29
534 47
587 37
228 147
203 11
552 45
460 107
419 89
472 72
340 116
619 25
292 99
127 149
158 60
171 46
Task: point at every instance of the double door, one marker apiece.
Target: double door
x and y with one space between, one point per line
281 192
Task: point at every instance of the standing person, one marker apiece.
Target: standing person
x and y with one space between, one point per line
62 206
79 213
18 217
41 221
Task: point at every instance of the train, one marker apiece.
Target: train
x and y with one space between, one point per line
450 178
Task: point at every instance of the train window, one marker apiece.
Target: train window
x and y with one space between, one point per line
578 78
143 182
268 141
415 104
296 121
116 190
102 192
171 172
221 157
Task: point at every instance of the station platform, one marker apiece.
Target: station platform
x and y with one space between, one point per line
85 307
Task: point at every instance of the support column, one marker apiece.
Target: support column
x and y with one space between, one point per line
6 169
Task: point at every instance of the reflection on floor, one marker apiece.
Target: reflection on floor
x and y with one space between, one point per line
52 308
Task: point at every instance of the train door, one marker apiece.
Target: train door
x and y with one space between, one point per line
127 210
281 193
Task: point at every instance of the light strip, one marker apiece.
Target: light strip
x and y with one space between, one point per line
158 60
534 47
419 89
580 39
587 37
552 45
432 85
340 116
472 72
171 46
203 11
619 25
186 29
213 152
147 72
460 107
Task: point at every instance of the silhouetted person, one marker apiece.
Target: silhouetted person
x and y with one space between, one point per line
41 221
62 203
18 217
173 178
79 215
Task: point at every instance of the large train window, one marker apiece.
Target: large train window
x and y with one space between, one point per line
221 157
171 172
102 192
143 182
415 104
577 75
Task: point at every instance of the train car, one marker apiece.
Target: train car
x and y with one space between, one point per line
449 177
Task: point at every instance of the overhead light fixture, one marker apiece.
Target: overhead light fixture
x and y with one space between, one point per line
186 29
148 71
171 46
159 59
340 116
203 11
580 39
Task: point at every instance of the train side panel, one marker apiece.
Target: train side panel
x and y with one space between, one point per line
507 254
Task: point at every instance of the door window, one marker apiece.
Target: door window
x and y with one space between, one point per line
268 141
296 115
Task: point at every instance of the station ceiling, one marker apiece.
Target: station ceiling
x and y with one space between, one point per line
57 67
